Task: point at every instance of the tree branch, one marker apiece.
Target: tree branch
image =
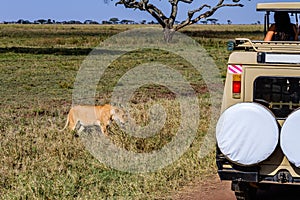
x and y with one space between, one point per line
184 1
144 5
190 16
206 14
168 23
174 4
187 1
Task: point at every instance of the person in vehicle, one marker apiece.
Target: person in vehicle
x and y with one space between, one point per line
283 29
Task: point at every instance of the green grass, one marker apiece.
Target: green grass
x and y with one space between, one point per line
39 162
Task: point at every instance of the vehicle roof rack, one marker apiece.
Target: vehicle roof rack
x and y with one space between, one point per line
265 46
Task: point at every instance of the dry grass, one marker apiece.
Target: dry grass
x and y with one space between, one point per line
39 162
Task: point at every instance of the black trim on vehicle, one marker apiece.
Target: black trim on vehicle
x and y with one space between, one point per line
235 175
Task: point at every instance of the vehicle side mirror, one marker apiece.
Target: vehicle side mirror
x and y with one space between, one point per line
231 45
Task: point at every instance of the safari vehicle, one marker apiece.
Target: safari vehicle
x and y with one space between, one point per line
258 132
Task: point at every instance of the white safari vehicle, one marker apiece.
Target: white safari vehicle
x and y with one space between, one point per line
258 132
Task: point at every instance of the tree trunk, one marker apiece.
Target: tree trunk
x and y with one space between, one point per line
168 34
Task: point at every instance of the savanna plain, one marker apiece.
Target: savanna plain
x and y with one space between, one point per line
38 68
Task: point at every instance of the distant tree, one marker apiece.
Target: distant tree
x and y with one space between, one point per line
20 21
229 22
258 22
203 21
90 22
41 21
106 22
114 20
126 21
152 22
49 21
213 20
143 22
167 23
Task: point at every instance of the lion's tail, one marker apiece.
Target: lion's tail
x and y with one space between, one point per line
66 125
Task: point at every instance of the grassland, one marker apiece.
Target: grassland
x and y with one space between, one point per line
38 66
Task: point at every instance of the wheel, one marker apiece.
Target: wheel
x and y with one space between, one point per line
246 195
244 191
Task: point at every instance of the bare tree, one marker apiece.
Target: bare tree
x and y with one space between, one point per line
168 22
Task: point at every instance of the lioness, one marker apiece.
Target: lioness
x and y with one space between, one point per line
94 115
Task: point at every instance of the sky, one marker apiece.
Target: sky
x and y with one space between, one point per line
64 10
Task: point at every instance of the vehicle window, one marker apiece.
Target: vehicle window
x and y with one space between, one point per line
280 94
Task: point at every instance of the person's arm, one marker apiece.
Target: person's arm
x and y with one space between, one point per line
296 32
270 33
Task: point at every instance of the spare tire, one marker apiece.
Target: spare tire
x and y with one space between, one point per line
247 133
290 137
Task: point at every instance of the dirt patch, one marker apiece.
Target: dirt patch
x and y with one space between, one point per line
212 189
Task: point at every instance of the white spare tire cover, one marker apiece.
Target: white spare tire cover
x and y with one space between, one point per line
247 133
290 138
